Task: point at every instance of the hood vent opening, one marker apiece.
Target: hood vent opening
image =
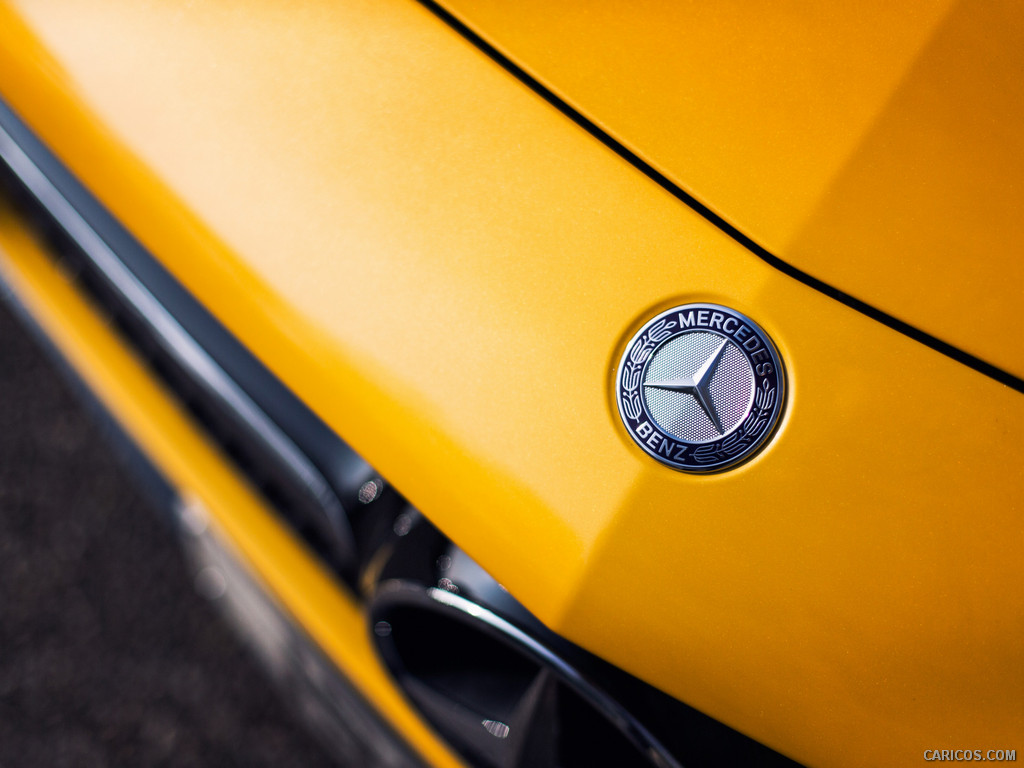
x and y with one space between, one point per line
495 698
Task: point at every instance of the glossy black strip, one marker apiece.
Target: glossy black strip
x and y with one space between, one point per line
286 449
658 177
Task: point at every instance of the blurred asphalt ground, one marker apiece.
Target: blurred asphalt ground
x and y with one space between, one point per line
108 657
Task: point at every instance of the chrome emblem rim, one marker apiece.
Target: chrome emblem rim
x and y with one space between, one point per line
700 387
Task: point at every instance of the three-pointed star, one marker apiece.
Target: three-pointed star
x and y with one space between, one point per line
698 385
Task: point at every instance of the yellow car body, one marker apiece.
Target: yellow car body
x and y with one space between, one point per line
439 227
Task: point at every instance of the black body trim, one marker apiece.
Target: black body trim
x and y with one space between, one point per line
986 368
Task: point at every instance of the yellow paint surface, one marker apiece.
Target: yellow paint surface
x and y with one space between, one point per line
446 270
874 145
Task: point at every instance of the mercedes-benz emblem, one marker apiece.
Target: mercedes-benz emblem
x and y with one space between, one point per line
700 387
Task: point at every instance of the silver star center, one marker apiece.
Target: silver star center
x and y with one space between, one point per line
698 385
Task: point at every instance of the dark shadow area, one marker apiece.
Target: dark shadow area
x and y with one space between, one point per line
107 654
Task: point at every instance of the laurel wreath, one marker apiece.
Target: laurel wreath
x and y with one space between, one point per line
736 442
653 336
747 434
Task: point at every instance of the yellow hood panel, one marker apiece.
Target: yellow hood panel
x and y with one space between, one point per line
446 269
874 145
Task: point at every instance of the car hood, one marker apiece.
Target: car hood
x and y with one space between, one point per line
447 270
874 146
